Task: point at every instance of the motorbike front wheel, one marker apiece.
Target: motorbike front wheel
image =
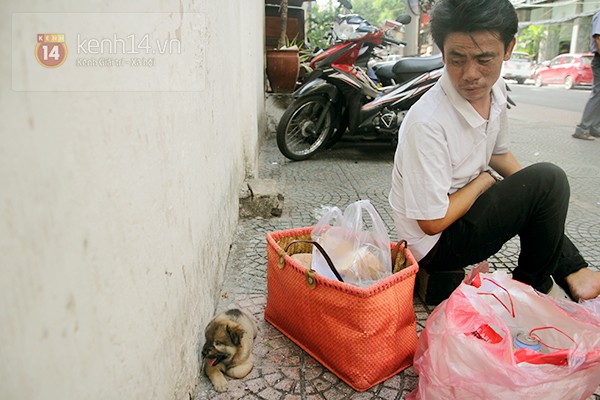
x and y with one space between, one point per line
305 127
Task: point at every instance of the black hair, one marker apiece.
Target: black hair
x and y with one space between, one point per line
471 16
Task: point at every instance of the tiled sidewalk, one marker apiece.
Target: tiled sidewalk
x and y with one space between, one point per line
338 177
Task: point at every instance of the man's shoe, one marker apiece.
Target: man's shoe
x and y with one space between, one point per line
582 135
595 133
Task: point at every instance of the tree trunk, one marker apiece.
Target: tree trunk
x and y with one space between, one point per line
283 10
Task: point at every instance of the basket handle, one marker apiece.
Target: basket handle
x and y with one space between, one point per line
323 252
399 249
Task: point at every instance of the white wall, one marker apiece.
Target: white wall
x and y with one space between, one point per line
117 209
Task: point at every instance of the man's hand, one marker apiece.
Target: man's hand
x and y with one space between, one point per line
462 200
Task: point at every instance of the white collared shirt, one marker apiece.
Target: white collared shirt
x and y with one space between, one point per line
443 145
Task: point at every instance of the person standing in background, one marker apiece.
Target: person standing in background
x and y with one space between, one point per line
589 127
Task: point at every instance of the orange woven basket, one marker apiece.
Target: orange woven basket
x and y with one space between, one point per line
362 335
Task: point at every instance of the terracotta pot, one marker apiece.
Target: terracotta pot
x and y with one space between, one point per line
282 70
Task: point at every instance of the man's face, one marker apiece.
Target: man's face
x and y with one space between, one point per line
474 61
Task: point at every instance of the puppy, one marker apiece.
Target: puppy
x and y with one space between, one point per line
228 347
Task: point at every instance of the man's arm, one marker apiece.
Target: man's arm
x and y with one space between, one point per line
460 202
463 199
597 39
505 164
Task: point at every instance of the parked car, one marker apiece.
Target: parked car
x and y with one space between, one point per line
570 70
518 68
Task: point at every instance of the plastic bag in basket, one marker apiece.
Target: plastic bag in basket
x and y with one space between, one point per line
357 243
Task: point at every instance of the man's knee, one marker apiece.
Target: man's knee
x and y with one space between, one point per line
549 174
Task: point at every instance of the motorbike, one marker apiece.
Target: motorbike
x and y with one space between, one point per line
340 96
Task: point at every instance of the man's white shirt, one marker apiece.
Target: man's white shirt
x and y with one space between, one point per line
443 145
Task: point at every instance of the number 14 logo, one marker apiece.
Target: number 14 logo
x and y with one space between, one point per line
51 49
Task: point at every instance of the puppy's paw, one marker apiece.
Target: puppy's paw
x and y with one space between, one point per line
219 383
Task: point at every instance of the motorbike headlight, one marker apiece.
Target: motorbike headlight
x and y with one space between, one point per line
357 35
343 31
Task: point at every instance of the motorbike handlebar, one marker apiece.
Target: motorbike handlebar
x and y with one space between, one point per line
394 41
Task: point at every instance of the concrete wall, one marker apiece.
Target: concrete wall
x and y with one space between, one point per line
117 207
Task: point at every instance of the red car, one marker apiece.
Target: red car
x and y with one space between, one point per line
570 70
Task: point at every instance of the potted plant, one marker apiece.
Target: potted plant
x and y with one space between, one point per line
283 63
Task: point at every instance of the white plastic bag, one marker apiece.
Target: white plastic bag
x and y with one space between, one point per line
467 349
360 251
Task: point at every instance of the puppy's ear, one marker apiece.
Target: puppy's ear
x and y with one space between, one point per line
209 331
235 333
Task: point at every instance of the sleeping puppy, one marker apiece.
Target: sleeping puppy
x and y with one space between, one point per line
228 347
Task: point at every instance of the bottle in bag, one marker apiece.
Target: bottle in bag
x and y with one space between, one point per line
525 341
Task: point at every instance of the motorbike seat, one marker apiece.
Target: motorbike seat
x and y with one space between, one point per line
414 65
406 68
383 70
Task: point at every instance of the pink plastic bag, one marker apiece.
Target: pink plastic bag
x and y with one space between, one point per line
467 349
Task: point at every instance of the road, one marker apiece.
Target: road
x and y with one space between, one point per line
550 104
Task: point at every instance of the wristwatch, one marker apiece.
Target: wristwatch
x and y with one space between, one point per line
494 174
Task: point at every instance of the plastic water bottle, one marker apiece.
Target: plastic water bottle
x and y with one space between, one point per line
524 341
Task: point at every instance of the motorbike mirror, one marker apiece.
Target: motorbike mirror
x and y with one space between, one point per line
346 4
404 19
